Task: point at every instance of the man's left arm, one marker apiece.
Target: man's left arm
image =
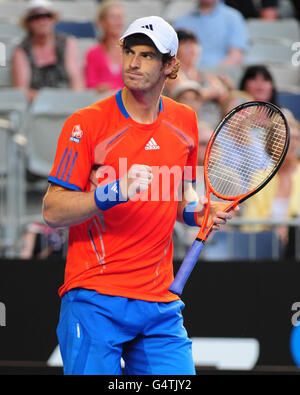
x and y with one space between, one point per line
237 43
234 57
192 207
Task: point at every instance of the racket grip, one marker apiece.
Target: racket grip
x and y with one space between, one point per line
186 267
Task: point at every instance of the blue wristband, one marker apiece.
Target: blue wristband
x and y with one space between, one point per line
188 214
109 195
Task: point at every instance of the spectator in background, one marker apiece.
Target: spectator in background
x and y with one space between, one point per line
234 99
264 9
258 82
44 58
103 70
41 242
205 131
280 198
188 93
213 86
185 235
220 29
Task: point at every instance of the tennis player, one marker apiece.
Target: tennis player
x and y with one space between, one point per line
111 158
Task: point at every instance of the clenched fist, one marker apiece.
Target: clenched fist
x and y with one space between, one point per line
138 179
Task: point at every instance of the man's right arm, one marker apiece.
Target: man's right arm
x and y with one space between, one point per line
63 207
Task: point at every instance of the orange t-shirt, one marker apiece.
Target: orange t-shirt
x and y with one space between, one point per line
126 250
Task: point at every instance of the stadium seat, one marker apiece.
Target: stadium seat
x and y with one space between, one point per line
141 8
77 29
12 10
271 52
46 117
68 10
76 10
285 31
290 101
176 9
5 77
10 32
237 245
286 77
12 100
233 72
84 44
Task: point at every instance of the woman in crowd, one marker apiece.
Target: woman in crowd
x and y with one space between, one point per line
103 61
280 198
45 58
259 83
234 99
42 242
189 93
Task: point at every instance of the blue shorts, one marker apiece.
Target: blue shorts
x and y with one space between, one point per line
95 331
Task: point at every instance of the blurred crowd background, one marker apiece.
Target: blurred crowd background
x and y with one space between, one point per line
56 57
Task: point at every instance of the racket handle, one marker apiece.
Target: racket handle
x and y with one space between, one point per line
186 267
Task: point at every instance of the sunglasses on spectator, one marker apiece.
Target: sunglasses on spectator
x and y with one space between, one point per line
39 16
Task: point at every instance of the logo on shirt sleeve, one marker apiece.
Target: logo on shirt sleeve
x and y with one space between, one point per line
76 134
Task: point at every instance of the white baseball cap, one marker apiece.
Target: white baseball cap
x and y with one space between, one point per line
158 30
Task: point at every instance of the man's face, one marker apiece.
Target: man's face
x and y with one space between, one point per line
207 3
143 68
189 52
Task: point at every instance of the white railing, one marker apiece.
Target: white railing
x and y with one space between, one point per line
12 183
241 241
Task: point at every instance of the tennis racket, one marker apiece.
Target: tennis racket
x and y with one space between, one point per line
243 154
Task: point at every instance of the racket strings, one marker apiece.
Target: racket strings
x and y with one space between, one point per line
278 142
245 151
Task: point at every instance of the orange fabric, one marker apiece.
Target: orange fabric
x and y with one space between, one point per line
126 250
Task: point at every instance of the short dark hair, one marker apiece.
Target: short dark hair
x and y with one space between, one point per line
186 35
252 72
139 39
143 39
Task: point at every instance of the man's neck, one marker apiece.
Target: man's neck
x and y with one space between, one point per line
143 107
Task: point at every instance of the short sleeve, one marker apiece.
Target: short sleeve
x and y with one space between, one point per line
92 67
238 37
190 171
73 158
